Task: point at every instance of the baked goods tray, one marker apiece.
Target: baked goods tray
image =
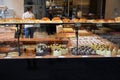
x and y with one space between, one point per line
60 23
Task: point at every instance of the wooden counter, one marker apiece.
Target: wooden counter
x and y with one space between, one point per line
54 57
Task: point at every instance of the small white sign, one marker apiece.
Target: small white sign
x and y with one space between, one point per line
8 57
84 56
61 56
118 55
38 56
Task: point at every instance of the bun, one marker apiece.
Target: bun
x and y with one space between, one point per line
56 19
66 20
68 30
45 19
110 20
13 54
83 20
117 19
99 21
4 49
75 20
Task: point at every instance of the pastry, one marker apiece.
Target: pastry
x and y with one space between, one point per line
56 19
99 21
3 54
75 20
45 19
83 20
68 30
29 51
57 52
42 50
65 20
4 49
13 54
117 19
110 21
83 50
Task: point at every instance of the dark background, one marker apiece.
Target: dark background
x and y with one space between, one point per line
60 69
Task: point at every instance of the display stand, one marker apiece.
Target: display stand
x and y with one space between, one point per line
19 27
77 26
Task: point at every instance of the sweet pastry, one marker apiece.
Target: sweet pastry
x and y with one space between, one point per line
83 50
13 54
110 21
3 54
117 19
118 52
59 49
42 50
84 33
99 21
70 35
29 51
28 20
68 30
57 52
4 49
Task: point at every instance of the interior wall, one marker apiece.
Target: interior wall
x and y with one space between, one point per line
16 5
110 6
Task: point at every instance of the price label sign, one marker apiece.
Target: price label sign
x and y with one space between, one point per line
77 24
99 24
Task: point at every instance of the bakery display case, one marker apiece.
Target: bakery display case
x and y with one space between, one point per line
83 29
74 40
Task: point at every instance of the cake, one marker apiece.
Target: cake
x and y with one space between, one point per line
110 20
13 54
117 19
3 54
68 30
99 21
42 50
83 50
57 52
4 49
30 51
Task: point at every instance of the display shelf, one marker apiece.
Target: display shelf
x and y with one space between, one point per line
56 23
52 40
65 57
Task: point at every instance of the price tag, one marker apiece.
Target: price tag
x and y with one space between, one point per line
99 24
61 56
118 55
77 24
38 56
85 56
8 57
